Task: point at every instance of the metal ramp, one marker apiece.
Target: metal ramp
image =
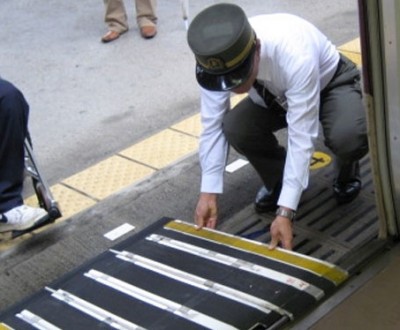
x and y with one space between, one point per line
173 276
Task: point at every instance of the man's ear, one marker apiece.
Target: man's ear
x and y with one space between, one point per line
258 48
258 45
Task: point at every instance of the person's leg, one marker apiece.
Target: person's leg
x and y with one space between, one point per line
115 18
14 112
343 119
13 129
249 130
146 17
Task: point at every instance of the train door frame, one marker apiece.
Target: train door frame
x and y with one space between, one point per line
380 46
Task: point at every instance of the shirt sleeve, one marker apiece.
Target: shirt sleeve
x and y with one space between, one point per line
303 97
213 149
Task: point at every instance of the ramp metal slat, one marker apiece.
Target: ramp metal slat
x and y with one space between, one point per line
159 302
196 281
36 321
288 269
93 310
240 264
206 302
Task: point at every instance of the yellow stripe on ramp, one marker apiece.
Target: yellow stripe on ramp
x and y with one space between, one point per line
321 268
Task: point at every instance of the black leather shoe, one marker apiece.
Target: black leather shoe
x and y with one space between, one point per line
347 185
345 193
267 199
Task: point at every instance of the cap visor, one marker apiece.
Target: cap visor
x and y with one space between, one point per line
227 81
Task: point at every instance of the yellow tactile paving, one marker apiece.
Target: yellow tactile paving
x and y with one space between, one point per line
162 149
108 177
32 201
353 46
236 98
356 58
6 242
191 125
352 50
70 201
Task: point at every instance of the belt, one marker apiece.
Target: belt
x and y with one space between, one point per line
270 100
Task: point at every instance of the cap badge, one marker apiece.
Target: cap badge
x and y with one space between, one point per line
215 63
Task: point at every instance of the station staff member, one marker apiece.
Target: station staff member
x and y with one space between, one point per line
274 57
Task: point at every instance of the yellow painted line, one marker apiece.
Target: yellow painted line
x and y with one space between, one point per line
162 149
321 268
4 327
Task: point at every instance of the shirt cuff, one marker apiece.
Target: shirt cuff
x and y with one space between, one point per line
212 183
290 197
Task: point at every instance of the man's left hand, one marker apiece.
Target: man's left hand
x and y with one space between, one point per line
281 232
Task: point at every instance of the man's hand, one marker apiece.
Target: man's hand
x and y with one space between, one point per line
281 231
206 214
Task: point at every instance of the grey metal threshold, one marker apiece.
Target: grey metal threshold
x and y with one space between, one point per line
323 229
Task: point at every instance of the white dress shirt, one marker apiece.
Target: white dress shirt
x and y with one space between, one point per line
296 62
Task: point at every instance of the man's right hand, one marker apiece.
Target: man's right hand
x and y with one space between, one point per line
206 214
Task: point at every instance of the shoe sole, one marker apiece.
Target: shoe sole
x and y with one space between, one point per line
105 41
341 200
27 226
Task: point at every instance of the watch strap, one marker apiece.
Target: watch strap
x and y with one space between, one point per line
285 213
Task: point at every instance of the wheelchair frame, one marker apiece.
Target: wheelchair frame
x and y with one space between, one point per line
42 190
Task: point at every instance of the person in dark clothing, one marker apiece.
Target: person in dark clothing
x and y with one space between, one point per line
14 112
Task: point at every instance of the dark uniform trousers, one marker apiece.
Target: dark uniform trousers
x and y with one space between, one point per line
14 112
249 128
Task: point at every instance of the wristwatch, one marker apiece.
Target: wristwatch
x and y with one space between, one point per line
285 213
